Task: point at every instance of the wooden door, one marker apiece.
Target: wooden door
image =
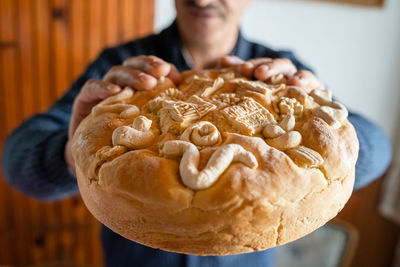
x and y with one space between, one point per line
44 46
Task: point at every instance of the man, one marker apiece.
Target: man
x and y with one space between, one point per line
204 33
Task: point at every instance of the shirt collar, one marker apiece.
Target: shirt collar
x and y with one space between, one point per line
177 55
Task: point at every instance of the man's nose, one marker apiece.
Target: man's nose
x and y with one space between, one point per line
203 3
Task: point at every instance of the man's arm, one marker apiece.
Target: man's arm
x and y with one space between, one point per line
375 152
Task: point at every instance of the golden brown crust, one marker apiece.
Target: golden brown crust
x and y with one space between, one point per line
292 191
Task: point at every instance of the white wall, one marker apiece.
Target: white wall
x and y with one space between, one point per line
355 50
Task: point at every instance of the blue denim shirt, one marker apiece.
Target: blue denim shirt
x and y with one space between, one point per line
33 158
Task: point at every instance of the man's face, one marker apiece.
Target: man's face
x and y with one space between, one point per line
205 19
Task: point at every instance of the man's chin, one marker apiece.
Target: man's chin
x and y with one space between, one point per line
204 37
203 30
206 31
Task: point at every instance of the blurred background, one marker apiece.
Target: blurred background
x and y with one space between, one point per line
353 45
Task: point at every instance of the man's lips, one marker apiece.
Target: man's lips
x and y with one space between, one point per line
203 13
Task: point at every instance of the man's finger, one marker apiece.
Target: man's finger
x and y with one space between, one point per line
230 61
305 79
258 61
97 90
152 65
174 74
91 93
126 76
247 68
279 65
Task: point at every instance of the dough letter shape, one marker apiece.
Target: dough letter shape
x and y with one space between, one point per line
216 165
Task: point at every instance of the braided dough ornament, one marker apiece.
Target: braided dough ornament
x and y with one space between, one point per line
216 165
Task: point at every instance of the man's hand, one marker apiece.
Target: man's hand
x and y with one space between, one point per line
141 73
264 68
305 79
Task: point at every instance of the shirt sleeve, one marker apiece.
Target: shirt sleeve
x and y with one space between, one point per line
290 55
33 156
375 152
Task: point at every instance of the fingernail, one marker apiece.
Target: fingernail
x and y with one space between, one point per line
142 77
245 67
155 63
234 60
112 87
248 65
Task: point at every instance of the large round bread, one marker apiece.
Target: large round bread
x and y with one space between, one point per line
220 165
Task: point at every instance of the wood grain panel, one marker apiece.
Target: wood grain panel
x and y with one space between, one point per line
96 33
144 17
44 46
26 65
9 81
59 46
128 26
78 35
111 18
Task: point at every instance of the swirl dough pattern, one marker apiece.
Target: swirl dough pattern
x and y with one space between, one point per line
218 165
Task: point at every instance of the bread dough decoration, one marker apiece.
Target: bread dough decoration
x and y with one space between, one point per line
333 113
136 136
247 117
177 115
217 165
112 104
202 133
